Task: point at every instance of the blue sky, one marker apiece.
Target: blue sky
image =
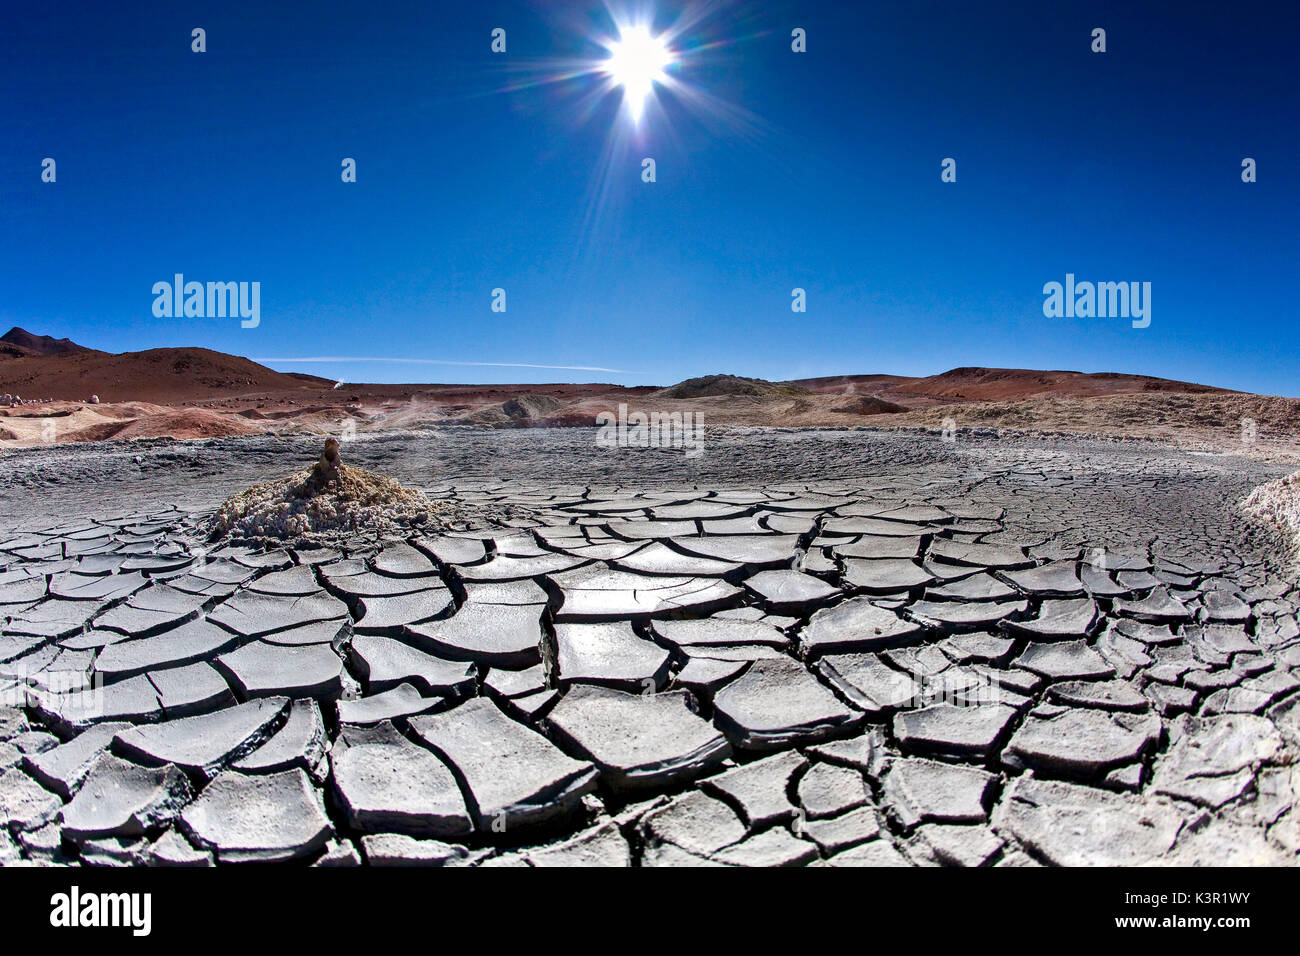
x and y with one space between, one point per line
819 170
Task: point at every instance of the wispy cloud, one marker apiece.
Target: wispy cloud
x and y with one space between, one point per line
423 361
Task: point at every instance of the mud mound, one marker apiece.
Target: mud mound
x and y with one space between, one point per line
713 385
490 417
1278 503
100 431
867 405
328 498
531 406
79 422
522 411
800 406
187 423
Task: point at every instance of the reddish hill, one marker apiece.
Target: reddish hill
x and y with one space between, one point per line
161 376
19 343
997 385
850 384
39 366
140 393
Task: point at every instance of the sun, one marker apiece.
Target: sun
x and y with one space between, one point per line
637 61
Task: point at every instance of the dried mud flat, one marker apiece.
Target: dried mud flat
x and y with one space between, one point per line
831 648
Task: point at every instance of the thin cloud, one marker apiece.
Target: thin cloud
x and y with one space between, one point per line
422 361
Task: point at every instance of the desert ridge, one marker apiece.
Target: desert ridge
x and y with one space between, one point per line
190 392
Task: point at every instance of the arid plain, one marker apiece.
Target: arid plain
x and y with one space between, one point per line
1019 618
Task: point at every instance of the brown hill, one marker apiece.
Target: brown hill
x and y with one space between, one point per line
867 405
850 384
161 376
972 384
708 386
140 393
1005 384
20 343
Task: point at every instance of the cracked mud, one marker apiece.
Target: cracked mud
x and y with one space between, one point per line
842 648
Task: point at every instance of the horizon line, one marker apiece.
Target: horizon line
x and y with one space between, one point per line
423 361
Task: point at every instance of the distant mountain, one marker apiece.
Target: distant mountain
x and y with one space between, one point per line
38 366
237 396
707 386
971 384
21 343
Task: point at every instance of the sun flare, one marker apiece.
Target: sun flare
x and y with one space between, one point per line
637 61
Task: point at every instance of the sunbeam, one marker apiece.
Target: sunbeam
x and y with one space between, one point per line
637 61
